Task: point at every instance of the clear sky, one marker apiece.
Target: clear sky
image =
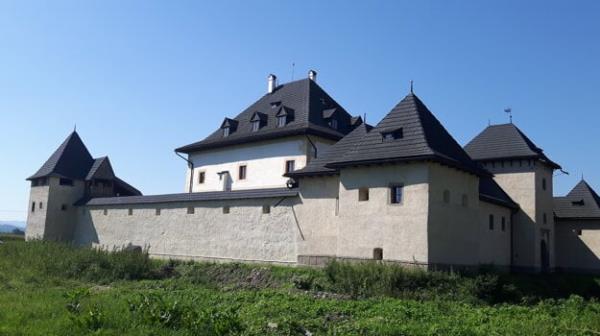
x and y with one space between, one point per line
140 78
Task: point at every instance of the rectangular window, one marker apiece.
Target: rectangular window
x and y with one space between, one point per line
281 121
105 212
63 207
32 206
289 166
266 209
157 212
363 194
333 123
66 182
41 206
191 210
201 177
226 132
242 173
503 224
491 224
396 193
130 212
226 209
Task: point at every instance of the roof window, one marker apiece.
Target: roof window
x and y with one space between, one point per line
392 135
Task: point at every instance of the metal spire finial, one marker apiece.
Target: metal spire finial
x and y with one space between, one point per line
509 111
411 87
75 128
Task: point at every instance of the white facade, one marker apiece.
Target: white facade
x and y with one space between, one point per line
265 163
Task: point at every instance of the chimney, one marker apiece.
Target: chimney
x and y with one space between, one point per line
271 83
312 75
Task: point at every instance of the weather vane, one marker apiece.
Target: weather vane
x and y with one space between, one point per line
508 110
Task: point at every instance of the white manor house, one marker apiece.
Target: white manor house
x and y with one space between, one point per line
297 179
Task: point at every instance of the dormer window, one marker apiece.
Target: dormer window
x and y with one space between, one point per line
281 121
578 203
330 117
228 126
284 116
258 120
333 123
255 126
392 134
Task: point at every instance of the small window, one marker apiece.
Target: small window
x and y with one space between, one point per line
266 209
447 196
191 210
105 212
226 209
201 177
491 224
63 207
130 212
255 125
66 182
157 212
333 123
41 205
32 206
242 173
396 193
393 135
289 166
378 253
465 200
226 132
503 224
363 194
281 121
545 218
543 184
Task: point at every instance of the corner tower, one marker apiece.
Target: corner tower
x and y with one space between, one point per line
55 187
69 177
523 170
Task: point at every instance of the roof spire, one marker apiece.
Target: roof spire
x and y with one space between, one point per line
75 128
508 110
411 87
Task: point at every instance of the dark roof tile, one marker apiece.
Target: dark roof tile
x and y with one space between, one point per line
581 203
71 160
505 141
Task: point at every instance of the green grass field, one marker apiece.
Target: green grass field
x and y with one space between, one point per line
56 289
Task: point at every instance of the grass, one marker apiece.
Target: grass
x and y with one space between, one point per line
56 289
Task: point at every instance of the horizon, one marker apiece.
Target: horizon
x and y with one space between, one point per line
141 79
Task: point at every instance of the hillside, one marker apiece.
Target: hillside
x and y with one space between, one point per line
54 289
10 226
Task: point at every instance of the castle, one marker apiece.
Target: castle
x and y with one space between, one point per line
296 179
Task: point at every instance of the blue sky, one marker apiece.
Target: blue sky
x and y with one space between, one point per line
141 78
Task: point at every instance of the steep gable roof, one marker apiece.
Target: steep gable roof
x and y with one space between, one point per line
505 141
423 137
101 169
71 160
581 202
304 99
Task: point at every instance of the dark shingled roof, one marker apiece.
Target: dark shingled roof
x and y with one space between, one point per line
423 138
581 203
490 191
101 169
304 101
504 142
71 160
194 197
317 166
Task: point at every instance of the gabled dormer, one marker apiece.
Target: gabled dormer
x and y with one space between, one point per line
284 116
229 126
258 121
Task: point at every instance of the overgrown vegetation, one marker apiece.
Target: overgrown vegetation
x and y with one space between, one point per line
57 289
